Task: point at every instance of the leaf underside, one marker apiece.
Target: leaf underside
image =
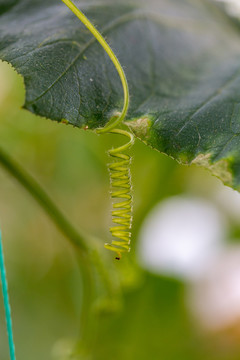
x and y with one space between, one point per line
181 58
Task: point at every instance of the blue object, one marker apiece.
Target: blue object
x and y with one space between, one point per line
6 302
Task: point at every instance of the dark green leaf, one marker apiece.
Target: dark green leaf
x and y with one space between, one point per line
181 57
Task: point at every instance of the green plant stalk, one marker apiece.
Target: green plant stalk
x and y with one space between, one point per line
77 239
31 185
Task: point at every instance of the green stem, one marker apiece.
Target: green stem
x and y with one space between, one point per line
77 239
31 185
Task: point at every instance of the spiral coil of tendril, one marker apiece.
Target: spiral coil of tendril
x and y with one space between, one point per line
119 168
121 190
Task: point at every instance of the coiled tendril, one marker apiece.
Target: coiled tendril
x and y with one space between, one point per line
121 189
119 168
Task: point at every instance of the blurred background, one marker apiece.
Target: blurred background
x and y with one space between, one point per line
179 294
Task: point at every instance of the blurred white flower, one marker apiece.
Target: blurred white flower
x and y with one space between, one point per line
180 237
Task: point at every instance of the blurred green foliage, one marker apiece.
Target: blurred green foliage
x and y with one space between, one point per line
44 279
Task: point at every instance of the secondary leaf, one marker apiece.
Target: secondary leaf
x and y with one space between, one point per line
181 58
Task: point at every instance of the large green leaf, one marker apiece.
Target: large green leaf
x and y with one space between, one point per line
181 57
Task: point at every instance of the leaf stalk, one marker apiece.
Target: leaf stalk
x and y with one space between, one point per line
33 187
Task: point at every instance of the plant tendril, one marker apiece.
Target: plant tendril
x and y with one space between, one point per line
119 168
